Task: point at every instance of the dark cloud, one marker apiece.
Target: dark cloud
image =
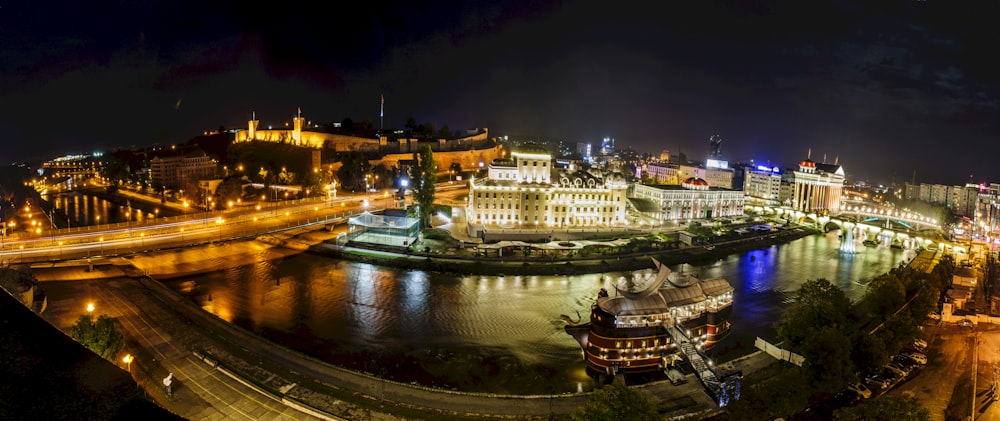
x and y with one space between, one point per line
886 87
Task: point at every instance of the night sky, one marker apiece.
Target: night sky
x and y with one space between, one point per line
888 87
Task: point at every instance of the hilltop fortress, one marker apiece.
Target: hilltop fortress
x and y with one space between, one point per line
470 151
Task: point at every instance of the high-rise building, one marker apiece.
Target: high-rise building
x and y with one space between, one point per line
762 184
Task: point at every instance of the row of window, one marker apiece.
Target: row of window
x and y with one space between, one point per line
563 219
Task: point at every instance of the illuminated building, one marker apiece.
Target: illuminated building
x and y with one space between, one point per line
177 171
525 191
716 173
695 198
814 187
634 331
762 184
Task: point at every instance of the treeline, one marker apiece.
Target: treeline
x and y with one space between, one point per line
841 340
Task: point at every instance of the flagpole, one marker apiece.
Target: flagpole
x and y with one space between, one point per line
381 113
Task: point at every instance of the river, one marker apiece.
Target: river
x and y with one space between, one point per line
490 333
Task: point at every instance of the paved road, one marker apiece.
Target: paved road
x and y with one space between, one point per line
199 392
946 379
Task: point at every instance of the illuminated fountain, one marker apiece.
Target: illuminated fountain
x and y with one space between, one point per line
847 245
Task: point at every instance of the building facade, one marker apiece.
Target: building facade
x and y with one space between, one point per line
525 191
762 184
692 199
177 171
813 187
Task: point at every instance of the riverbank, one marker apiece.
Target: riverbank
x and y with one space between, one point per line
464 261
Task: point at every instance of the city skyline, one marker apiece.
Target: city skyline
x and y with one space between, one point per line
888 90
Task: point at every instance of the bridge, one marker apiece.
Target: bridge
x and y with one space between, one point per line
886 224
105 240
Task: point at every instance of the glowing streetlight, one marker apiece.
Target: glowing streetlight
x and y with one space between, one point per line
90 308
127 359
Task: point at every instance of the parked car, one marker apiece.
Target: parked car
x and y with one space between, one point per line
898 369
877 381
965 323
915 357
893 376
861 390
919 343
906 363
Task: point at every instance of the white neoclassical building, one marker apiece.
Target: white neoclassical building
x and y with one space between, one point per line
692 199
814 187
525 191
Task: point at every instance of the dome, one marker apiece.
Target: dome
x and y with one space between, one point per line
695 183
807 163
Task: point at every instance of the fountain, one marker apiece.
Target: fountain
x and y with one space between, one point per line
847 245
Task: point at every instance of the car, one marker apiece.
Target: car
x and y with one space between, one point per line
898 369
877 381
906 363
845 398
861 390
893 376
915 357
964 323
919 343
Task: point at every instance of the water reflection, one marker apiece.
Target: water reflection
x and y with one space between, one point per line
488 333
84 209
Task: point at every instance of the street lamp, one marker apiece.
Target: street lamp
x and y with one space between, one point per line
90 308
127 359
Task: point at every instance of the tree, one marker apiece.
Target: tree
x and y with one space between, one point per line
779 396
353 170
230 189
819 304
101 337
886 407
884 296
827 352
455 169
616 402
424 176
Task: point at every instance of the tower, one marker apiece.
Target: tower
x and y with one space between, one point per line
252 132
715 147
297 127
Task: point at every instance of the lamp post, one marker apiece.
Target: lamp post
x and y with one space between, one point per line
90 309
127 359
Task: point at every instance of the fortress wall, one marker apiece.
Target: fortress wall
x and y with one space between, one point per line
338 142
469 160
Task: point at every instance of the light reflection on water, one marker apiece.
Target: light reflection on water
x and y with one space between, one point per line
489 333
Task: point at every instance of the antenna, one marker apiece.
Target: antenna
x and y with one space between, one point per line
809 153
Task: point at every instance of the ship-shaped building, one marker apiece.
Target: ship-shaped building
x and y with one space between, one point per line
642 331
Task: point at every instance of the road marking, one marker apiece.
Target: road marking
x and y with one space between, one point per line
214 375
